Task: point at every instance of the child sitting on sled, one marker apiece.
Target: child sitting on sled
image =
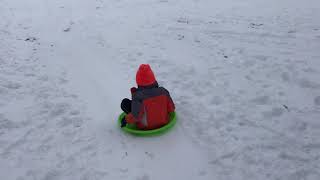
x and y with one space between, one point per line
150 105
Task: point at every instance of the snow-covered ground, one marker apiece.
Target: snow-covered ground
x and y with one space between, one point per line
244 74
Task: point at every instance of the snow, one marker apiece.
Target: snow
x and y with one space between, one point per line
245 77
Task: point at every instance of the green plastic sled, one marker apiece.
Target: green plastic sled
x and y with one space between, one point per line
132 129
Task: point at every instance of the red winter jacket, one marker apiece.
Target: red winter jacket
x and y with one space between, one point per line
150 107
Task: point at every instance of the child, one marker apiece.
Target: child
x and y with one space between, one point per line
150 105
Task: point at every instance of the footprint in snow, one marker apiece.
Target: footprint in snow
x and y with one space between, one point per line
317 101
275 112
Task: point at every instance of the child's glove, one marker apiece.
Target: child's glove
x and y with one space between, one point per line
123 122
133 90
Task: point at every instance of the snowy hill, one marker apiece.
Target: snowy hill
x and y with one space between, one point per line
245 77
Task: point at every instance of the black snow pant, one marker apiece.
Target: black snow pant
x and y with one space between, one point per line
126 105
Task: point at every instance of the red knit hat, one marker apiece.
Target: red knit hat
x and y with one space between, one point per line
145 76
